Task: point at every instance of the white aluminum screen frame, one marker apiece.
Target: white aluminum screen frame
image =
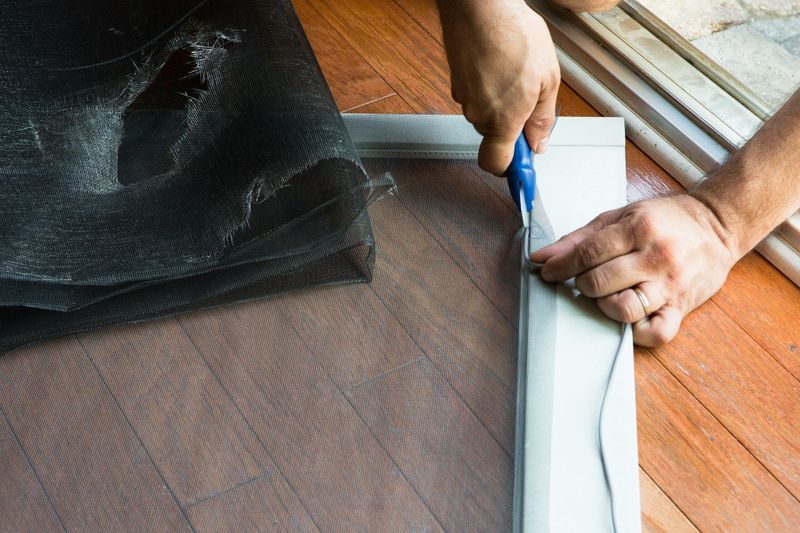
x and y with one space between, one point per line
576 465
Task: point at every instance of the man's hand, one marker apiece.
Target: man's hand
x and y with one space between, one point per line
504 74
672 249
678 250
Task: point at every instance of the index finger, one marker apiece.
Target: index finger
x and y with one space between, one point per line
590 252
570 240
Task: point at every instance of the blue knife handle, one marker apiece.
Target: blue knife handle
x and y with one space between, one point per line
520 174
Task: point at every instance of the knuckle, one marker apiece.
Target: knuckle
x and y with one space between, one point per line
628 225
588 254
644 224
471 114
602 220
664 253
629 312
552 78
543 124
674 278
662 336
591 283
497 121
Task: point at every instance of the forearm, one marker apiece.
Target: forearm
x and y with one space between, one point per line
759 187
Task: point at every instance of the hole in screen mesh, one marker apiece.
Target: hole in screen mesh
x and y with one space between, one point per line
156 118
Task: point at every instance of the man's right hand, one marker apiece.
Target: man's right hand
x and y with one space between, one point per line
504 74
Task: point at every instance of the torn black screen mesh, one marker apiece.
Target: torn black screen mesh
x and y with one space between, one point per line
157 157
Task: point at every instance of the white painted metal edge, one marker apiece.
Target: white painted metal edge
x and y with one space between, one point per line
452 137
580 452
783 256
636 128
720 112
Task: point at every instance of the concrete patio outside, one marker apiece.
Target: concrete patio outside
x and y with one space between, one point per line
758 41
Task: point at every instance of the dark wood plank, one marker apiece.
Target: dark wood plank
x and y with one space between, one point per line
343 477
350 331
420 281
457 327
646 179
185 420
703 469
477 228
745 388
89 460
352 80
24 506
264 504
455 465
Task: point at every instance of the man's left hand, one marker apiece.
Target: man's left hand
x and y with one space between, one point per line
673 250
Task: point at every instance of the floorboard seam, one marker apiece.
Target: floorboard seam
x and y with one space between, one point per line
721 423
135 433
507 204
33 469
372 433
420 105
383 374
746 332
204 499
402 473
459 264
376 100
444 379
249 425
417 22
358 52
452 387
667 496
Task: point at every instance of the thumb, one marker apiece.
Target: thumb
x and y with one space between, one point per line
539 125
497 151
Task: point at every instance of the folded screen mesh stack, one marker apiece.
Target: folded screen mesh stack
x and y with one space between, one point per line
157 157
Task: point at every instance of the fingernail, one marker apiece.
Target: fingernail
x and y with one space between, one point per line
542 145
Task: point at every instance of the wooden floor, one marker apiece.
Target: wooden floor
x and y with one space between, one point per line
389 407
